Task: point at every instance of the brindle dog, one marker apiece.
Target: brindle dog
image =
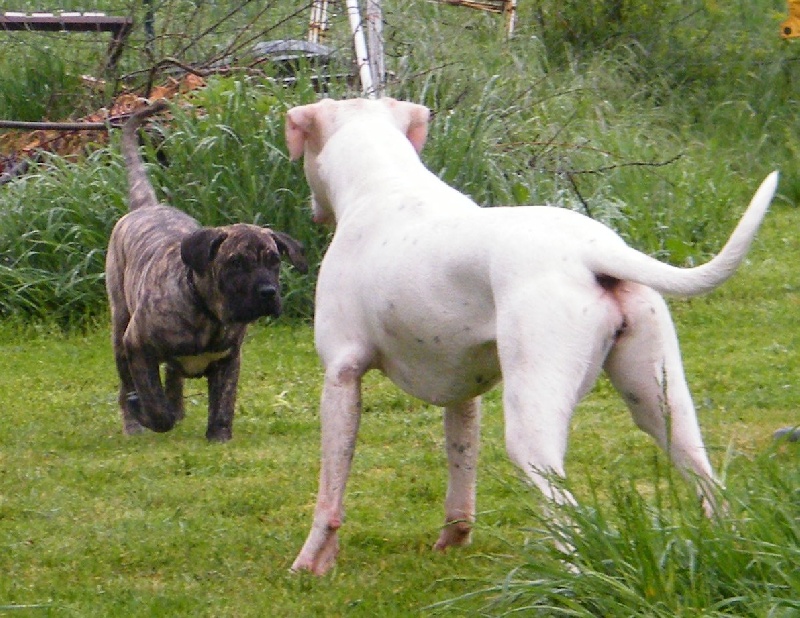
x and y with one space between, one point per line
182 295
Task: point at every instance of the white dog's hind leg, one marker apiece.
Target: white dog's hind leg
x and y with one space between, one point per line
462 437
340 413
545 373
645 367
551 345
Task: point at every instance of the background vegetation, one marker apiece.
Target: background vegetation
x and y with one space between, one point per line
658 118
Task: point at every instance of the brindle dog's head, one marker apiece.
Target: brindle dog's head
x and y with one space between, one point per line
236 269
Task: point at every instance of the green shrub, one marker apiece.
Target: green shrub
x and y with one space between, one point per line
55 225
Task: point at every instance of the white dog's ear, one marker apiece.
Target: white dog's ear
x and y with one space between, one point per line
299 122
414 118
417 132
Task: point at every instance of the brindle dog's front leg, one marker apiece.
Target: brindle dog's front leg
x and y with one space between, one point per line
173 388
149 404
128 399
223 376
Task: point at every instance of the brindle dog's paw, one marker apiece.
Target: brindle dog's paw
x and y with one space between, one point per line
219 434
790 434
159 423
132 427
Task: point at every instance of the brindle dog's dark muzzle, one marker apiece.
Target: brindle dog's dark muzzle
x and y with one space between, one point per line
270 299
262 299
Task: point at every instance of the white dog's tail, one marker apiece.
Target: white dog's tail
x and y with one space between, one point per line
631 265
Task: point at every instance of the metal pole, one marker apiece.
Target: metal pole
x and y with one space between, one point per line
511 16
360 47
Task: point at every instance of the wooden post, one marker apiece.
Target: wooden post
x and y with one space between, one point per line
318 24
375 45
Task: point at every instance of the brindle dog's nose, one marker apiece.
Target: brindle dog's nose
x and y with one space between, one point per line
266 292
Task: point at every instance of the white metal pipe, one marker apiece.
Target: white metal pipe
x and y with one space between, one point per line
511 16
360 47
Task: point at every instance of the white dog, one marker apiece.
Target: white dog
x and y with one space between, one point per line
447 298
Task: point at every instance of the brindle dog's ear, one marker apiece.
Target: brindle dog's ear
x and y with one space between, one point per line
199 248
292 249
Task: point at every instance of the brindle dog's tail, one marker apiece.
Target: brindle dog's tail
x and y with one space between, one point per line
140 191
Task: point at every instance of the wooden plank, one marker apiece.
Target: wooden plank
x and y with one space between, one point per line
66 22
119 27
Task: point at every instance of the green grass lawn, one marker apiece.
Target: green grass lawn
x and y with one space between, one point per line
660 120
93 523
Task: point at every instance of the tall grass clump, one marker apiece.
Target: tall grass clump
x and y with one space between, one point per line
226 158
721 70
585 138
39 85
54 226
649 551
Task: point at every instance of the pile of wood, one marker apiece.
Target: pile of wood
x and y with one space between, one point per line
505 7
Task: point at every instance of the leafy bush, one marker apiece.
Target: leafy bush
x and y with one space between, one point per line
55 225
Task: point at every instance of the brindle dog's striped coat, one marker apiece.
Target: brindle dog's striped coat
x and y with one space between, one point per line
182 295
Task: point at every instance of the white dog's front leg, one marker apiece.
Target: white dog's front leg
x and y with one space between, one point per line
462 437
340 413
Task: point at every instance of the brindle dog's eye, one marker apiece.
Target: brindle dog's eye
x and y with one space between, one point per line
272 259
237 262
